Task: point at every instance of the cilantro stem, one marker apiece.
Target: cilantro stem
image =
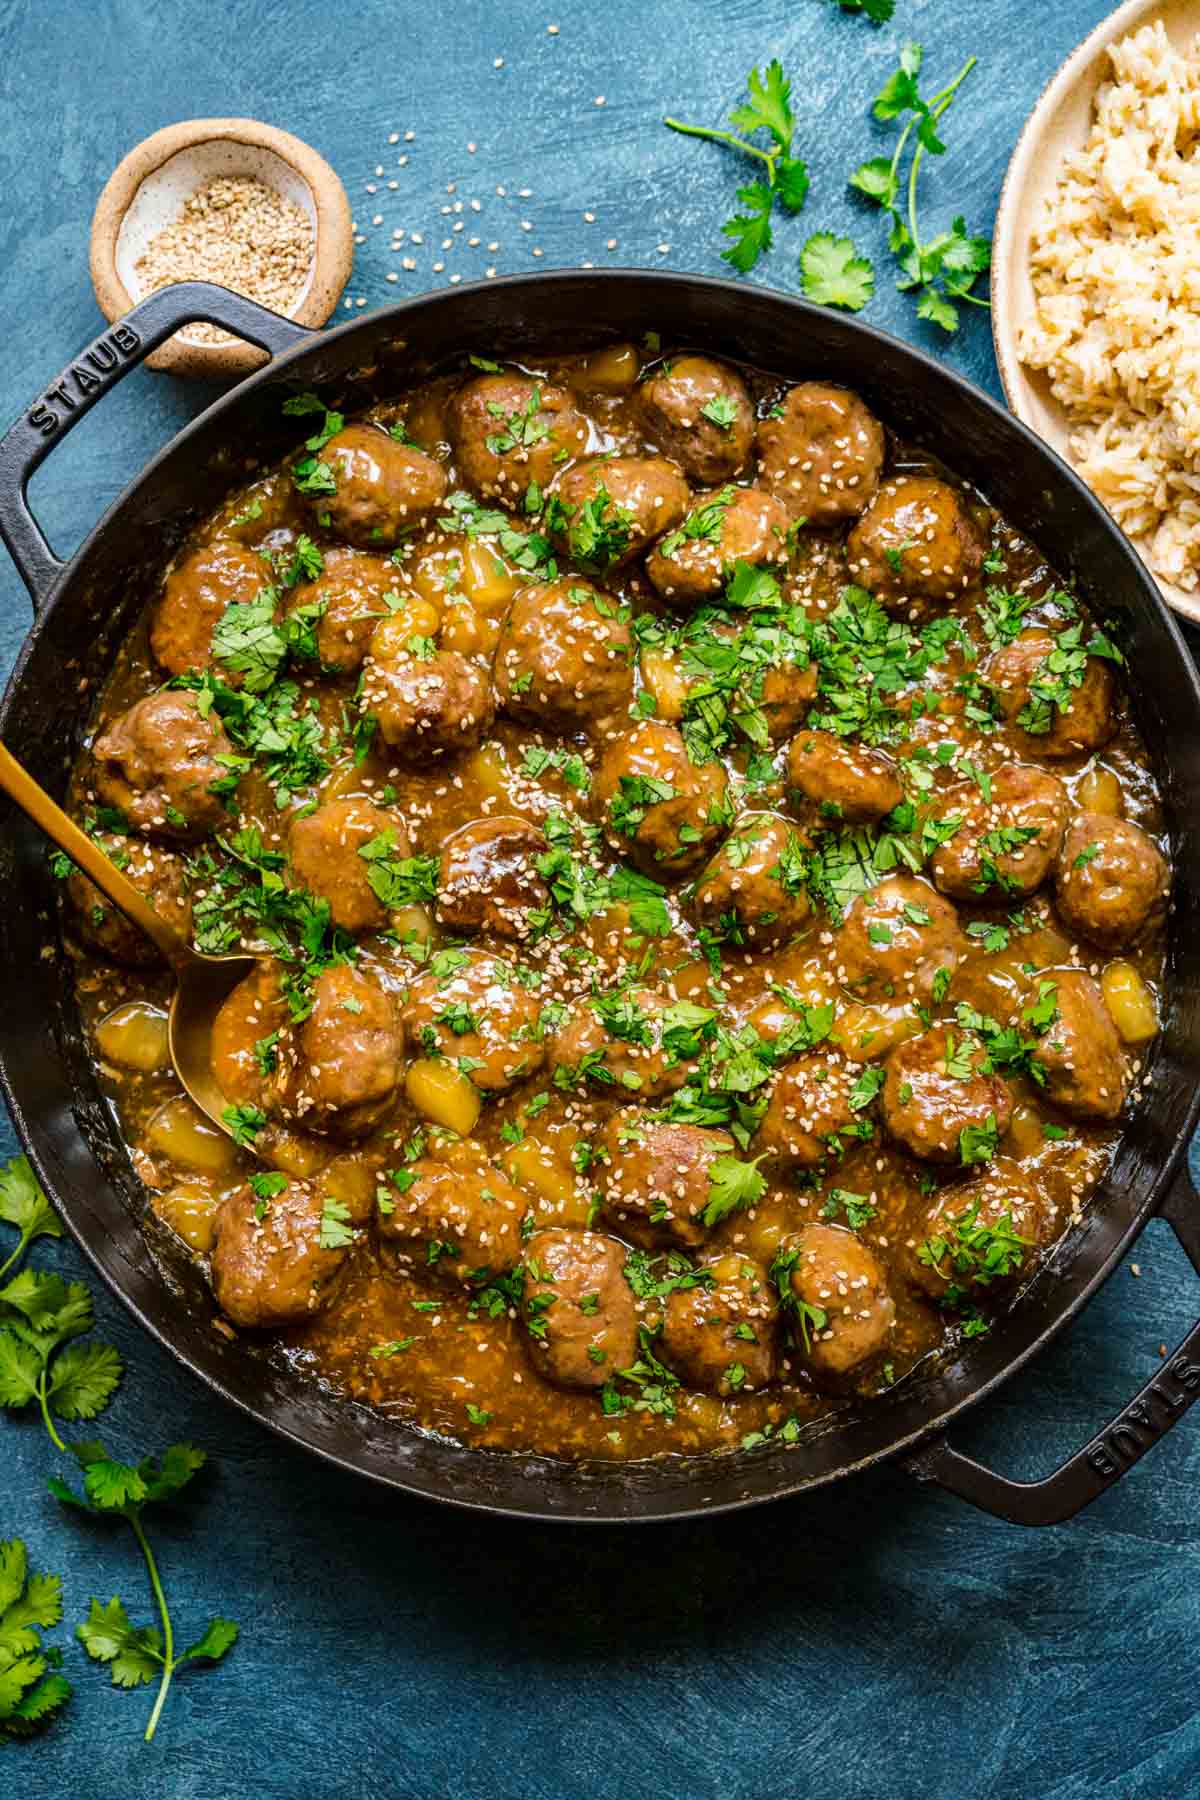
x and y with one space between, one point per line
20 1250
727 137
937 107
46 1419
168 1650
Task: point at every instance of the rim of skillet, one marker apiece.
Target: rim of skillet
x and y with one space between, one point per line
906 1439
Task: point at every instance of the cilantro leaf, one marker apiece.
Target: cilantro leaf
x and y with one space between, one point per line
83 1380
750 229
220 1635
769 107
30 1693
733 1185
833 274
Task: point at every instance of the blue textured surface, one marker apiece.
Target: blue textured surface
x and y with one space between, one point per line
876 1640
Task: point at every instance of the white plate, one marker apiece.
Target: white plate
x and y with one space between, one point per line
1061 121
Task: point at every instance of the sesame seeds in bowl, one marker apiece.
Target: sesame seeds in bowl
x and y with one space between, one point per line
231 201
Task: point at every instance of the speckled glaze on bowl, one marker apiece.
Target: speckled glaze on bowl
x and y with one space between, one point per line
1060 122
147 190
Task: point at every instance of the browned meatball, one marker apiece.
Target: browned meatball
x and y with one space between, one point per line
698 412
565 657
896 939
1110 880
656 806
1037 725
351 589
729 526
818 1107
246 1033
783 694
510 432
836 1301
616 1042
157 874
753 892
465 1224
844 780
158 762
1081 1052
470 1007
940 1102
981 1235
1009 834
278 1253
820 452
720 1337
617 505
488 878
578 1308
338 1071
194 598
325 851
427 706
384 489
655 1177
916 540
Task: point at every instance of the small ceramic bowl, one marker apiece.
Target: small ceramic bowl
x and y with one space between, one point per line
1061 122
147 190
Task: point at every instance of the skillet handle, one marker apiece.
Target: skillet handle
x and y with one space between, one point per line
105 361
1123 1442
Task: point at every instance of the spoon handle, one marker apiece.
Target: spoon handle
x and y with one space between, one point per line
38 806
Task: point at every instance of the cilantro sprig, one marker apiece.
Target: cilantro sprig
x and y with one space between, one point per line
31 1688
137 1654
769 110
41 1318
941 270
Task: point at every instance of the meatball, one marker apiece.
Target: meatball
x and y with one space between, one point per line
657 807
916 540
488 878
616 1042
782 692
617 505
157 874
698 412
578 1308
654 1178
463 1224
844 780
817 1108
339 1069
1009 834
1110 879
246 1032
194 599
325 849
350 589
158 764
720 1336
753 892
274 1261
724 528
383 489
939 1100
427 706
1080 1050
981 1234
564 657
1037 725
820 452
836 1300
510 432
896 940
469 1006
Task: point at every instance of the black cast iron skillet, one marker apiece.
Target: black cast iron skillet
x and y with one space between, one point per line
82 610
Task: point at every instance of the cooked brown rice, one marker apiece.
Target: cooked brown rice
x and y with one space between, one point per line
1116 271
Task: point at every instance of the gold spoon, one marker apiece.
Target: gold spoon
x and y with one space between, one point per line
201 982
